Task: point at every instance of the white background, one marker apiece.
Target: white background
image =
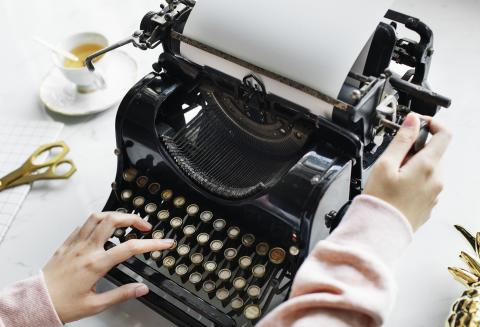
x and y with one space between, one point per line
53 209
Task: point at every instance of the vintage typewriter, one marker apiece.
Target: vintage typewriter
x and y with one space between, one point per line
245 181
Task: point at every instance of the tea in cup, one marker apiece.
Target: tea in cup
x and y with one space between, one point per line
82 45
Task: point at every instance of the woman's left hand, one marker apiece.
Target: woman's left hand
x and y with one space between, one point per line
75 268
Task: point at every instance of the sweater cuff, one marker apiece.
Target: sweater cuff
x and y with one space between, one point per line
375 226
27 303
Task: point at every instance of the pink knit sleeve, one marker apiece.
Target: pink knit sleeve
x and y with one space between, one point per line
27 303
347 280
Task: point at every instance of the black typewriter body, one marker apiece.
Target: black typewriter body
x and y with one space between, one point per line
245 181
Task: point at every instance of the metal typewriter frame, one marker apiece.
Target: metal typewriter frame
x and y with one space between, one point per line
336 157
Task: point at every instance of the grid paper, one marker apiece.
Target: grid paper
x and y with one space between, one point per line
18 140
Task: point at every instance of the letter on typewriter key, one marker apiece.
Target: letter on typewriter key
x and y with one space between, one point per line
163 215
142 181
293 250
192 210
239 283
203 238
237 303
167 195
224 274
130 174
158 234
189 230
138 201
248 240
195 278
156 255
262 249
183 250
219 225
252 312
276 255
126 195
210 266
150 208
208 286
181 270
179 201
216 245
230 254
176 222
154 188
253 291
206 216
196 258
245 262
258 271
169 262
233 232
222 294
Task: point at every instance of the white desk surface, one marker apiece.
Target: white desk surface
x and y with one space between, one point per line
53 209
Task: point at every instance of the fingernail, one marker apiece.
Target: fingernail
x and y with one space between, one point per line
141 290
409 121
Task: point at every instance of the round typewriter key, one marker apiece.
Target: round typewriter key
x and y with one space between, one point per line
168 262
138 201
122 210
208 286
163 215
230 254
248 240
129 174
245 262
206 216
216 245
258 271
179 201
189 230
224 274
131 236
239 283
253 291
181 270
293 250
233 232
126 195
195 278
150 208
276 255
154 188
192 209
167 195
203 238
237 303
219 224
158 234
252 312
156 255
142 181
262 249
222 294
183 250
176 222
119 232
196 258
210 266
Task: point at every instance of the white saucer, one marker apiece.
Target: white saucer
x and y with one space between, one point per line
59 95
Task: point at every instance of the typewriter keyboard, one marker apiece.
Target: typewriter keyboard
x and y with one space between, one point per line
231 268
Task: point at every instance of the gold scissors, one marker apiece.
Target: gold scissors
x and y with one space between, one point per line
41 166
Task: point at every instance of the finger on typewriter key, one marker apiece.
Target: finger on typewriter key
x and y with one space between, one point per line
195 278
236 303
182 270
176 222
262 249
174 245
219 225
179 201
163 215
189 230
142 181
233 232
192 210
252 312
129 174
196 259
167 195
245 262
158 234
206 216
154 188
169 262
138 201
209 266
276 255
293 250
248 240
239 283
203 238
258 271
183 250
222 294
156 255
126 195
253 292
209 286
230 254
150 208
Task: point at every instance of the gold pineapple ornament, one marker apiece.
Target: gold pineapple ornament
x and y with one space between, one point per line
466 310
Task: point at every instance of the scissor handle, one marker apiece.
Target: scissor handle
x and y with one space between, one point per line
50 173
50 160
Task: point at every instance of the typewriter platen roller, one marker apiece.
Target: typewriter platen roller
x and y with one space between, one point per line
244 180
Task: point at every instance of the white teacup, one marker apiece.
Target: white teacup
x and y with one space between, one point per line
85 80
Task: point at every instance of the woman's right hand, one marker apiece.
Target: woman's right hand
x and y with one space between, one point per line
411 184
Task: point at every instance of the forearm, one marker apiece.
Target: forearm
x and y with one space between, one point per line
346 279
27 303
